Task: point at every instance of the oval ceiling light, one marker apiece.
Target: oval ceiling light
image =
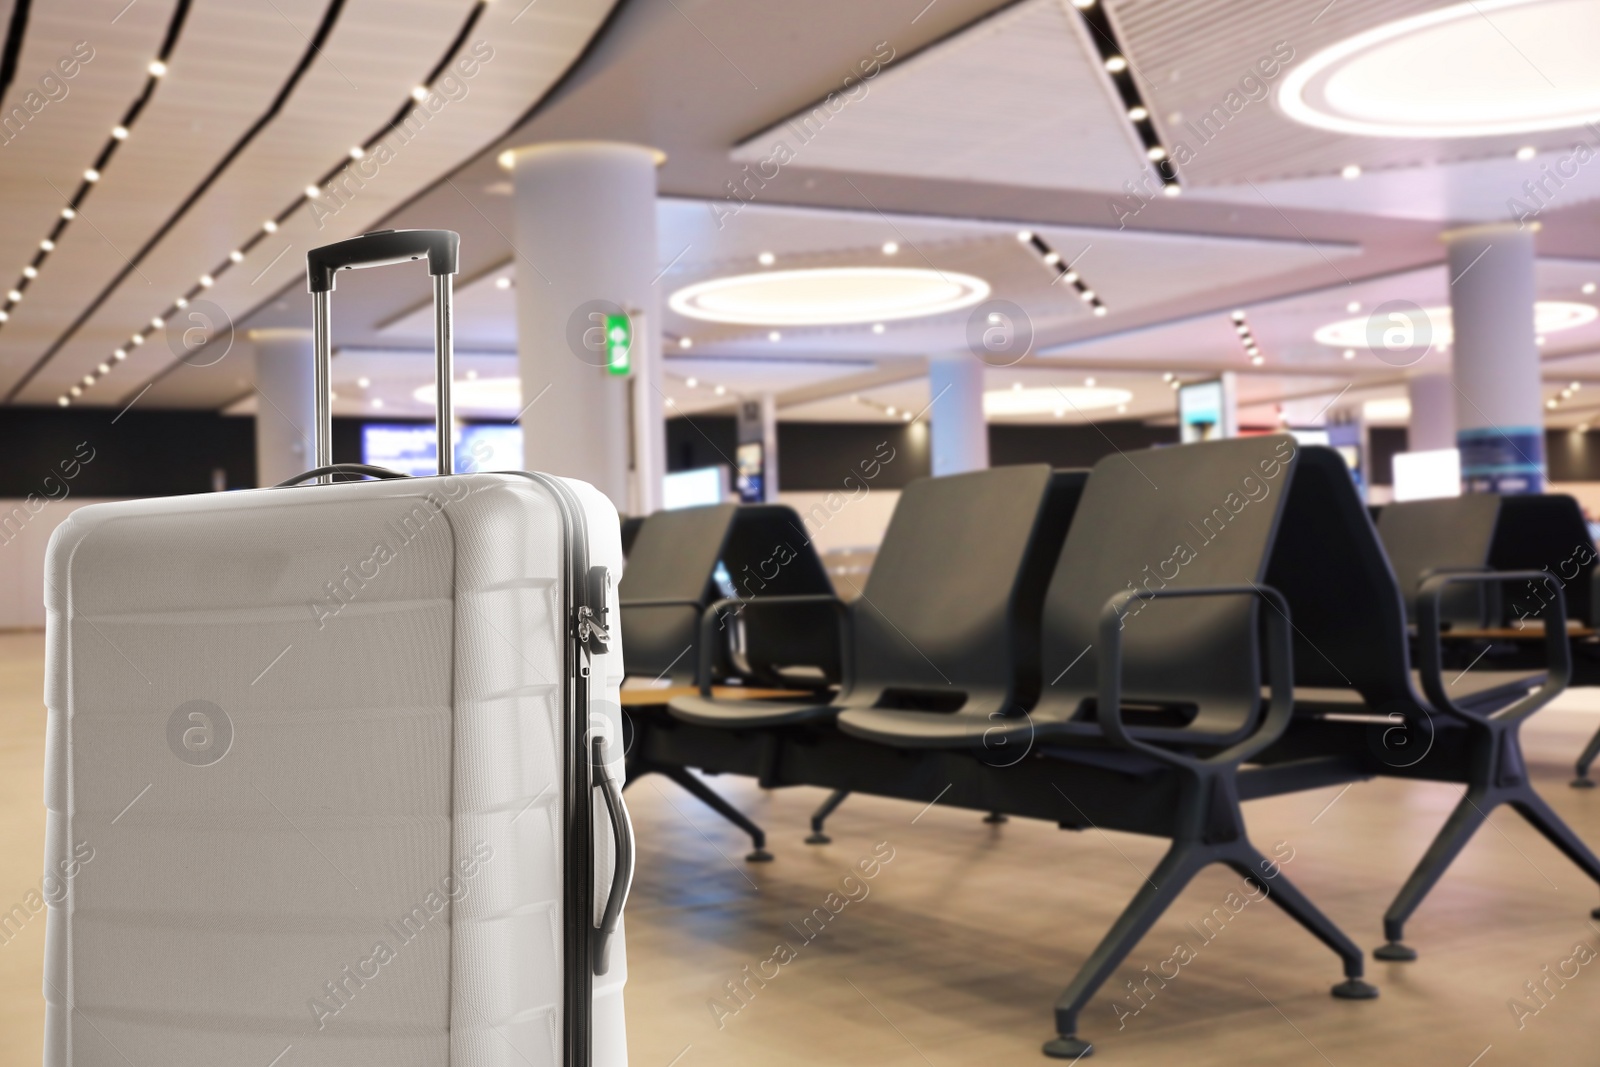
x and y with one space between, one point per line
828 296
1453 72
1047 400
1549 316
494 395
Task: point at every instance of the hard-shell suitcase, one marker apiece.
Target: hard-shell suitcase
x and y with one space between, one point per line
333 769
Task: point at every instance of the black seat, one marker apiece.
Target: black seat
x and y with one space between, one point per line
680 562
1427 537
948 615
673 575
1154 612
1358 699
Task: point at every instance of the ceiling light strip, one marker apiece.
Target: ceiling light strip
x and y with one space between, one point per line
1241 326
1063 271
313 191
1120 71
101 161
313 50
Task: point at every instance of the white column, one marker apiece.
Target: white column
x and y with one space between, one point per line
960 432
1433 413
769 445
285 404
1499 412
585 236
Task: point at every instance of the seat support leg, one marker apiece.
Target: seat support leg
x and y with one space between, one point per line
1531 806
713 800
1585 761
1469 814
820 816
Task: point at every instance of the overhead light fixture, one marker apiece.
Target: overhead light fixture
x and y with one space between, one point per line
774 336
356 151
1101 311
472 375
419 93
502 283
363 382
1349 353
1454 72
1046 400
68 213
1527 152
1550 316
91 175
877 327
721 390
1116 64
76 390
1089 382
890 248
489 396
63 401
270 226
1353 307
30 272
120 354
829 296
685 342
766 259
692 382
236 255
207 281
1138 113
119 132
1350 172
1588 288
312 192
157 68
48 245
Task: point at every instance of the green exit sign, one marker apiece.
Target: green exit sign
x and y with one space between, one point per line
619 344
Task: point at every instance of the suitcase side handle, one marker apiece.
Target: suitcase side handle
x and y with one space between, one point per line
377 249
622 877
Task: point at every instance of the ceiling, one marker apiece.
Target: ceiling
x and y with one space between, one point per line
952 127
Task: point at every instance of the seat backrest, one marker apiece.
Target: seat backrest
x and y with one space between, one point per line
949 617
1327 561
1185 517
1423 535
763 550
1545 531
674 557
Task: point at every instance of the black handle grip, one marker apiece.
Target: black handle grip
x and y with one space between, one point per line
379 249
341 468
622 875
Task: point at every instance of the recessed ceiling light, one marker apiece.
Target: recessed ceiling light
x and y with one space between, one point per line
88 379
1047 400
1349 353
63 401
1550 316
181 302
1258 360
30 271
721 390
1454 72
363 382
270 226
1575 386
76 390
1016 387
502 283
1116 64
1070 277
1527 152
1086 295
120 354
1353 307
774 336
157 322
892 410
1350 172
157 68
91 175
1024 236
890 248
377 402
419 93
685 342
692 382
1550 403
68 213
236 255
1167 377
766 259
877 327
136 340
829 296
1083 5
1137 114
207 281
119 132
1100 310
14 295
1089 382
1391 410
1539 340
1156 153
1171 189
1588 288
104 368
356 151
312 192
49 245
1122 409
1052 257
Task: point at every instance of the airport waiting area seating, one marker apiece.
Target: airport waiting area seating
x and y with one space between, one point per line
1490 534
1222 624
681 562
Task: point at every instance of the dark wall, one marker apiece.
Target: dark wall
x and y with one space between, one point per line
1385 441
820 456
1072 446
701 441
142 453
1572 457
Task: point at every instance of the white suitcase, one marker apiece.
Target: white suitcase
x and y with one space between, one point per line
333 770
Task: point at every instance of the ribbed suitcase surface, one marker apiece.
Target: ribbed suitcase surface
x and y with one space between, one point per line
312 741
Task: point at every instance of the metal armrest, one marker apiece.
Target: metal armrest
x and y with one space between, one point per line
709 620
1280 659
1558 667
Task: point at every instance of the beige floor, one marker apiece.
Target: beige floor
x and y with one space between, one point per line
958 948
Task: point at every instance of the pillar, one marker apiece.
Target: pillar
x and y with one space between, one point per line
585 243
1433 413
960 431
1499 411
285 404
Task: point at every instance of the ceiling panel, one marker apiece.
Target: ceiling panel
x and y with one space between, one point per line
1018 99
519 58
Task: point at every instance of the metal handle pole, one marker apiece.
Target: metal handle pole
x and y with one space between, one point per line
445 357
322 384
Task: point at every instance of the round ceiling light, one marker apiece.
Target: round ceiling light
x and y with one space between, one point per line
1047 400
498 396
1549 316
828 296
1453 72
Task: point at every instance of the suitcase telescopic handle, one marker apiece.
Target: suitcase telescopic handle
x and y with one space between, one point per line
381 248
622 875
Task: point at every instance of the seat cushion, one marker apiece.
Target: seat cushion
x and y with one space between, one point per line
734 714
937 729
